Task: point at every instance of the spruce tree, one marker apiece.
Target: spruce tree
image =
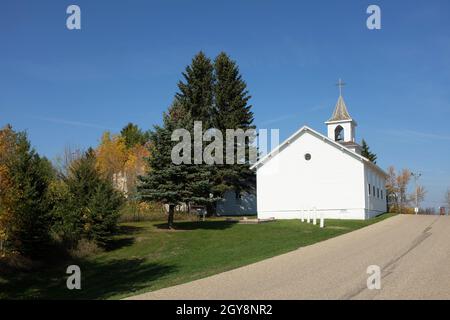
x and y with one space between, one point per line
89 205
166 182
365 152
232 111
196 95
216 95
24 181
196 92
101 221
231 96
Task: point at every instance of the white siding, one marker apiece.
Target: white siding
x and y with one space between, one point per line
332 181
375 203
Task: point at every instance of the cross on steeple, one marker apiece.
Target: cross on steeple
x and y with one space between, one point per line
340 84
341 126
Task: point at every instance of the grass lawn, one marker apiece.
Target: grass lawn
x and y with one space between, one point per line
146 257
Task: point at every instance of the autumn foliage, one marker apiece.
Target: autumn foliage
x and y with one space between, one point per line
122 160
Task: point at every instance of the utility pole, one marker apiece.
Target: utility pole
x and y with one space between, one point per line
416 176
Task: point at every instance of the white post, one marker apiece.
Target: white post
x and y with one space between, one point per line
322 220
314 216
308 216
302 216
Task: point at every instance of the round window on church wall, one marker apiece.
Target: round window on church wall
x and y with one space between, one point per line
307 156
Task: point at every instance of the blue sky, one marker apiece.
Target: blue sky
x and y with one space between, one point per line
66 87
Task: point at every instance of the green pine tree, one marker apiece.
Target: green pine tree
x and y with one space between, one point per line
24 205
216 95
165 182
367 153
232 111
196 95
88 205
133 135
196 92
103 215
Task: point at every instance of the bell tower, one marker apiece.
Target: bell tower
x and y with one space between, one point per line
341 127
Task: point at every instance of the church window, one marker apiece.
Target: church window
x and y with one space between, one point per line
339 133
369 189
307 156
378 192
381 194
374 191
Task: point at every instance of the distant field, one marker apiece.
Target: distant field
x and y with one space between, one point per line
146 257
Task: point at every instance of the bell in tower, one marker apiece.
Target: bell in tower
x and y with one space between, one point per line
341 126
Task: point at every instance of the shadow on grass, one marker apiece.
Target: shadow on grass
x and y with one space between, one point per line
119 277
115 244
119 241
196 225
129 230
99 280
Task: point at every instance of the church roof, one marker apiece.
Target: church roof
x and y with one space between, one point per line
340 111
301 131
349 143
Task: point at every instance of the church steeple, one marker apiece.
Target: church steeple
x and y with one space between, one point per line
341 126
340 111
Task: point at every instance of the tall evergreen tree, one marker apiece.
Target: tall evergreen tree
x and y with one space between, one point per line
216 95
24 181
367 153
170 183
196 92
232 111
231 96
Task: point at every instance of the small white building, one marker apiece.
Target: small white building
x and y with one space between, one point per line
327 174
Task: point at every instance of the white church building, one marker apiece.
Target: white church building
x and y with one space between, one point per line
311 172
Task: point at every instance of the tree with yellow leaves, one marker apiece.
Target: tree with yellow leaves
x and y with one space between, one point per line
121 158
111 155
136 166
397 187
